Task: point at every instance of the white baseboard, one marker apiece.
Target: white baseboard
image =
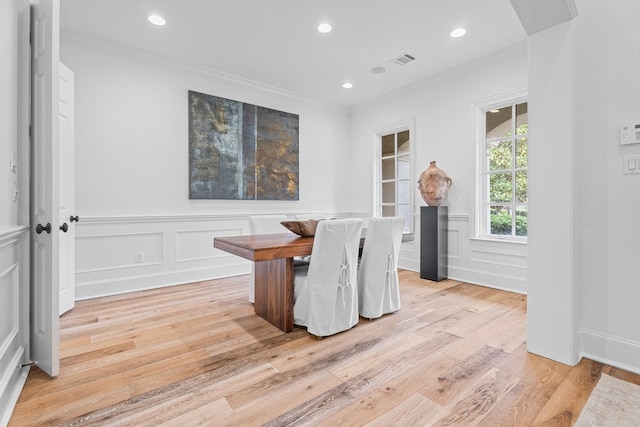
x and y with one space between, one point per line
134 283
552 356
614 351
11 391
475 277
490 279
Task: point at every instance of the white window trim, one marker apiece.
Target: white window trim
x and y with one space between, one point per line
477 109
377 133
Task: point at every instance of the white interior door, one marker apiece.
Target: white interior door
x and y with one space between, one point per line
67 192
45 231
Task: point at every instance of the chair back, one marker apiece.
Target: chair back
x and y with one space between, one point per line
378 288
327 296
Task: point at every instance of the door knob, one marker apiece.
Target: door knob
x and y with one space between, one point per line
64 227
40 228
74 218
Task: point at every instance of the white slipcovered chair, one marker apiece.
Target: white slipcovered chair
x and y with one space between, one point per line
378 289
326 291
305 217
264 224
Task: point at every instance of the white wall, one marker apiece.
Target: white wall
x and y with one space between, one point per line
8 110
584 246
442 108
14 237
608 202
132 137
132 170
550 313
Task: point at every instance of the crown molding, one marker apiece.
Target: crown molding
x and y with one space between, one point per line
127 52
514 50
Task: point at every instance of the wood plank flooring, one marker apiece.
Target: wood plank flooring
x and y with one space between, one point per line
196 354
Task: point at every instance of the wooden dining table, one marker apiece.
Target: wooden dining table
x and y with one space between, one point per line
272 255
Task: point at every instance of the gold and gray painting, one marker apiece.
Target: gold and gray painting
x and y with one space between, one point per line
241 151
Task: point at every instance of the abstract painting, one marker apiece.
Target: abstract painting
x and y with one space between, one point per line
241 151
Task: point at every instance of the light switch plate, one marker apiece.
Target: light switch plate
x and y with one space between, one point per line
631 164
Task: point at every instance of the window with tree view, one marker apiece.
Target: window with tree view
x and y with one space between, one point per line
504 171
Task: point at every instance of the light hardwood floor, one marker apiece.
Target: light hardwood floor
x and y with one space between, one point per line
196 354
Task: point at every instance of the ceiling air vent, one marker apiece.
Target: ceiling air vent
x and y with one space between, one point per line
405 58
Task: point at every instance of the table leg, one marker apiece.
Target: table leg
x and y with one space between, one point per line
273 300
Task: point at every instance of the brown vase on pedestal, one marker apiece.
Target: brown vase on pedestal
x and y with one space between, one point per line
434 184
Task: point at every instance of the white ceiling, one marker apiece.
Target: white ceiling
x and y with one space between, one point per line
275 42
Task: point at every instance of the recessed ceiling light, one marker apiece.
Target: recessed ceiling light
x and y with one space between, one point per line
156 20
324 28
378 70
458 32
347 85
494 111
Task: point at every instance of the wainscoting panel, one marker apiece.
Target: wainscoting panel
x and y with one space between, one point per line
494 263
502 259
453 243
125 254
179 249
9 319
14 315
197 245
113 251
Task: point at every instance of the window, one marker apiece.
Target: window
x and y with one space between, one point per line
393 173
503 153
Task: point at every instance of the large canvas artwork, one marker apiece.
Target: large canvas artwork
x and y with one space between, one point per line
241 151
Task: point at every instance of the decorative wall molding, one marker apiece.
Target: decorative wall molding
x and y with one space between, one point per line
492 263
198 238
188 254
110 248
14 304
452 216
9 304
176 249
459 217
453 244
11 384
14 361
144 219
501 258
13 234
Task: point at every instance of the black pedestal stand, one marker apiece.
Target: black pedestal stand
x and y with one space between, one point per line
433 242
